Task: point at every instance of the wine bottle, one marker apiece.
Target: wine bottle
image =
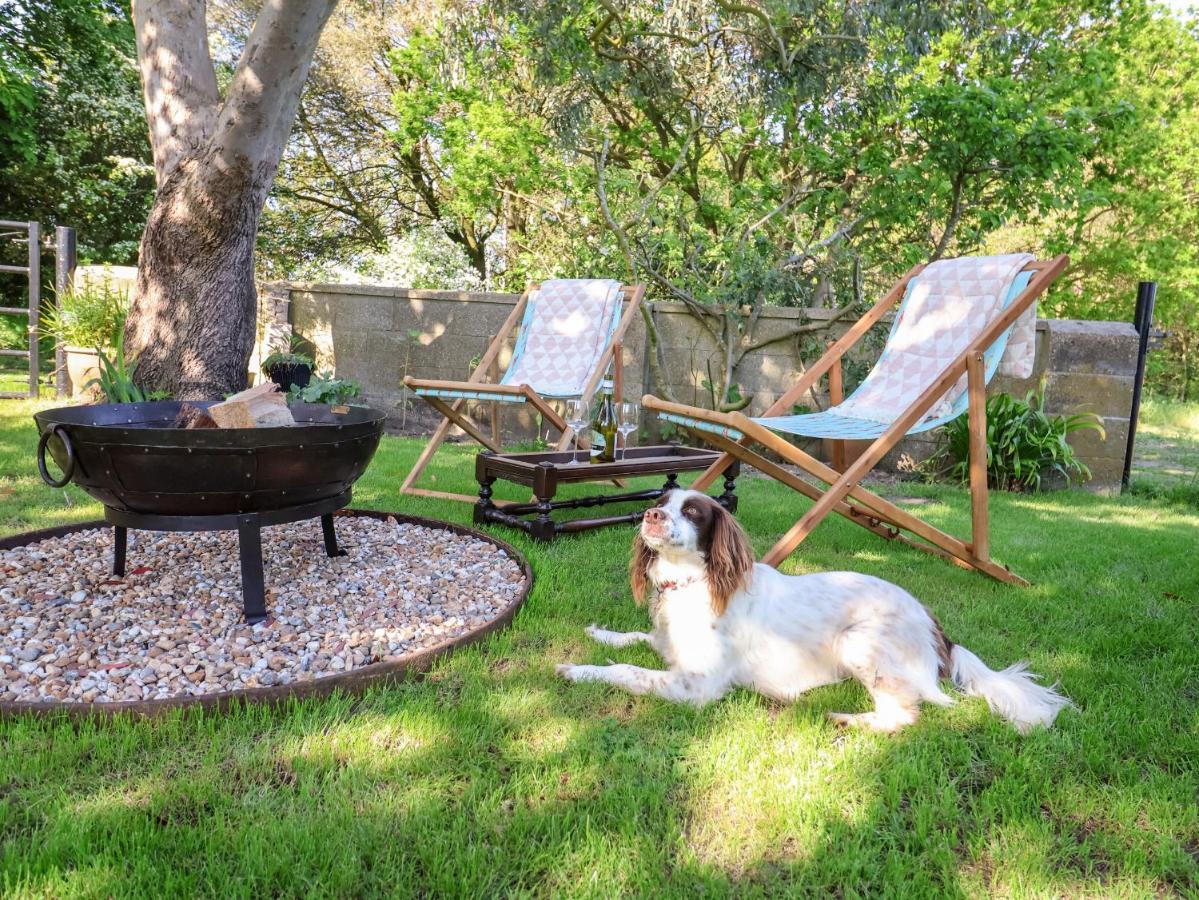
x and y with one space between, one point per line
603 427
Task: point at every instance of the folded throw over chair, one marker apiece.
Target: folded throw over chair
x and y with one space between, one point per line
570 334
947 340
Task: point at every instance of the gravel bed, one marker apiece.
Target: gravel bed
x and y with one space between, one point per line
70 631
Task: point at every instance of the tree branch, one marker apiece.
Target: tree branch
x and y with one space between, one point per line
178 80
252 127
621 238
806 328
805 254
955 215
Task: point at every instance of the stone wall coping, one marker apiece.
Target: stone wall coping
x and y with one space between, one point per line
372 290
1091 326
666 306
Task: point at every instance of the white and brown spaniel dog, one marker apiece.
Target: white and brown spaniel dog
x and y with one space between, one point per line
721 621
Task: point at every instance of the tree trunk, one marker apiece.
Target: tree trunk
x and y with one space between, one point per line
191 327
193 319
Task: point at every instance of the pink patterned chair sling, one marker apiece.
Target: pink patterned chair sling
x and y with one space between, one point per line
569 332
945 307
566 328
959 321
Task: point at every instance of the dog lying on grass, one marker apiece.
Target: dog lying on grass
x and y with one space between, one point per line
721 621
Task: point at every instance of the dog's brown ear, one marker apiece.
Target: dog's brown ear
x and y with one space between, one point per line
643 558
730 559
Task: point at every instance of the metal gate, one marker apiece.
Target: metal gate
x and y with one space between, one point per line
33 274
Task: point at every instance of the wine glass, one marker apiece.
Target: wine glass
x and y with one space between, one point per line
627 415
578 414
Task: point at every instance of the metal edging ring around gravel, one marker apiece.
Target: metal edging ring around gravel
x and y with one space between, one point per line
352 682
68 471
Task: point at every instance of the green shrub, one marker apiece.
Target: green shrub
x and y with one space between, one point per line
285 359
115 380
92 315
293 356
1023 444
324 388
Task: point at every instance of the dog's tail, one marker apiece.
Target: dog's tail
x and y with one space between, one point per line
1012 693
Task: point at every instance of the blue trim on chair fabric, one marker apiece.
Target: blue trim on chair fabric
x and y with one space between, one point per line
701 425
459 394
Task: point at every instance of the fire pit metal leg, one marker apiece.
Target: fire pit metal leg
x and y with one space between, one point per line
331 547
253 591
120 539
249 527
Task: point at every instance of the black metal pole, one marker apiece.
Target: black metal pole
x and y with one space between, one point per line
64 278
1143 322
35 303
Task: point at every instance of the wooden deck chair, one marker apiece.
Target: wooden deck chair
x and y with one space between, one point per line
570 334
946 342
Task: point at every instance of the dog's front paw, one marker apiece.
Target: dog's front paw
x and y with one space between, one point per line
576 673
593 631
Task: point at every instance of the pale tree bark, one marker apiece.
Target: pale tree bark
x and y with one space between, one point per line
191 327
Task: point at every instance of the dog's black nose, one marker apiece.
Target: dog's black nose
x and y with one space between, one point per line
655 514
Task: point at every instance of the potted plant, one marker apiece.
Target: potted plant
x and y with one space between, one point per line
86 320
288 370
328 389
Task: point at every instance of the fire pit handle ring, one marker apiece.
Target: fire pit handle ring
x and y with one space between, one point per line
68 471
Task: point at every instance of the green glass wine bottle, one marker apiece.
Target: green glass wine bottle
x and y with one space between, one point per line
603 427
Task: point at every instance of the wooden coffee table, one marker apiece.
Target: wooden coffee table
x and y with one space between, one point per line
545 471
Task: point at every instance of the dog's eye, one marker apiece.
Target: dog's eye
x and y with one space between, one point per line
691 512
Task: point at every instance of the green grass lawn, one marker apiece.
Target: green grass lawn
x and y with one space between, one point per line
491 777
1166 463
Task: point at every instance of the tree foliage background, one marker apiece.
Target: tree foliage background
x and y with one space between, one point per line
731 153
73 144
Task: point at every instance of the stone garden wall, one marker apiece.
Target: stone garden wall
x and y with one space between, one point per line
376 335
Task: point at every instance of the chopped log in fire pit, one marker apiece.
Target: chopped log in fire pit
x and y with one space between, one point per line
152 474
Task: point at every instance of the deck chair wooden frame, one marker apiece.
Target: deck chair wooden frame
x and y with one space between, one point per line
844 494
455 412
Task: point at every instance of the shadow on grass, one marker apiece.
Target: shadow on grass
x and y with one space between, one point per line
495 778
492 777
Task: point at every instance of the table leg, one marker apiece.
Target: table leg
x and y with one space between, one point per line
672 482
484 504
729 498
542 527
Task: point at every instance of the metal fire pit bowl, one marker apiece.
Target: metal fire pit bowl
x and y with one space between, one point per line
151 476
